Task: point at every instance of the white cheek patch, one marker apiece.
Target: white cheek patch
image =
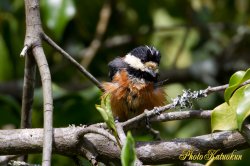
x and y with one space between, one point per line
134 62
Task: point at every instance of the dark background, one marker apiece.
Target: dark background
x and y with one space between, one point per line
202 43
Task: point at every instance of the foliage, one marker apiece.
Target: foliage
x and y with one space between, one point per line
105 110
128 154
216 47
236 79
106 113
231 114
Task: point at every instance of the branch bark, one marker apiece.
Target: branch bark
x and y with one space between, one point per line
47 104
73 61
157 152
33 44
152 114
28 90
28 93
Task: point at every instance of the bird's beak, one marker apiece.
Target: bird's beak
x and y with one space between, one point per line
151 72
151 68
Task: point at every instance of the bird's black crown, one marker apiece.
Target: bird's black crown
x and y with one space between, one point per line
146 54
136 68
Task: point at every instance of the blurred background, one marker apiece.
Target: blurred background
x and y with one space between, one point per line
202 42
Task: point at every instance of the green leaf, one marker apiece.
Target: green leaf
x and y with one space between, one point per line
223 118
243 107
128 154
57 13
106 113
230 117
102 112
236 79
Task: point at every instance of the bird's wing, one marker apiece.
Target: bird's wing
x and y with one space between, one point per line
116 65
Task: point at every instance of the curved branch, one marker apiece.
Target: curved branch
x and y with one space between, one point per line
47 103
66 143
33 43
95 130
73 61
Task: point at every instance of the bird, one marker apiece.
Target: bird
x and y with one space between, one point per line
133 78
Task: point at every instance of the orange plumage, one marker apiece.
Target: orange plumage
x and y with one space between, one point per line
131 96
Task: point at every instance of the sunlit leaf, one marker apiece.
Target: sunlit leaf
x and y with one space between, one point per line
223 118
57 13
128 154
102 112
243 107
236 79
106 113
230 117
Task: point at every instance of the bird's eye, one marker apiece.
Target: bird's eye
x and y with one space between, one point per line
151 65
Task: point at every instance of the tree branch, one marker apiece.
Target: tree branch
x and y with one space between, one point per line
73 61
47 103
184 99
66 143
28 93
28 90
180 115
33 43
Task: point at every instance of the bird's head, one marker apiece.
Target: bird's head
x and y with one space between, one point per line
143 62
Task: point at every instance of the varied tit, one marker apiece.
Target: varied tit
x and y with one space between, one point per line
133 89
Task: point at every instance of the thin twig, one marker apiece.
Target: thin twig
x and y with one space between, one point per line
28 90
215 89
146 114
47 103
180 115
28 93
155 133
101 27
24 51
122 136
91 157
34 42
176 102
222 88
96 130
90 154
120 133
73 61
